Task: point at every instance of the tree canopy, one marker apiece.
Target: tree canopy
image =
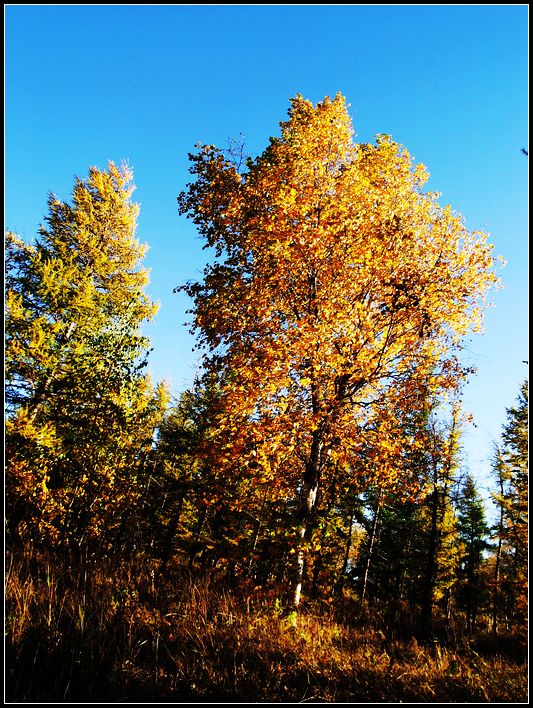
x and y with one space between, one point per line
336 302
80 405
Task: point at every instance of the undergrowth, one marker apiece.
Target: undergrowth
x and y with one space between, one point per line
114 631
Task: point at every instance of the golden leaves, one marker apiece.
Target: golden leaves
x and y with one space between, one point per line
338 284
80 410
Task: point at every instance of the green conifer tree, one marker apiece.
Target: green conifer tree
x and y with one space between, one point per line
510 467
473 533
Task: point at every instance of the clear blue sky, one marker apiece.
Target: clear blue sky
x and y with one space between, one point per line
86 84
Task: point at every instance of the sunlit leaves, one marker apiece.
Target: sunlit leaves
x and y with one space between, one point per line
337 282
75 357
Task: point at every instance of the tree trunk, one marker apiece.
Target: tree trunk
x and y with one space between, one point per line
496 591
340 582
448 606
169 536
308 503
309 496
254 546
371 542
430 572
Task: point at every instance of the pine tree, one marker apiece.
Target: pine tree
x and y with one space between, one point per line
473 534
408 566
439 520
510 466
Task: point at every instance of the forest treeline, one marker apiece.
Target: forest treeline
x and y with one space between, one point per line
316 464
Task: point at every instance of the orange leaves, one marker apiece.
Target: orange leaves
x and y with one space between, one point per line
339 285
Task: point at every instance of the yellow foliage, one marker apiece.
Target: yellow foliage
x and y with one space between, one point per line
340 289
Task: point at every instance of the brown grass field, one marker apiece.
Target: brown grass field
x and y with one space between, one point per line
113 632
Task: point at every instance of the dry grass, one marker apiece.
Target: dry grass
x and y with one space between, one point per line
111 633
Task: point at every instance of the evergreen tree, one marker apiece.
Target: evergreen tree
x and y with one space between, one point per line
473 533
438 518
510 467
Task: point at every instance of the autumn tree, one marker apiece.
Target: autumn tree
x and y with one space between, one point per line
81 410
338 291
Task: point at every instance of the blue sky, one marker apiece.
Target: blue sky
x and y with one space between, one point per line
86 84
